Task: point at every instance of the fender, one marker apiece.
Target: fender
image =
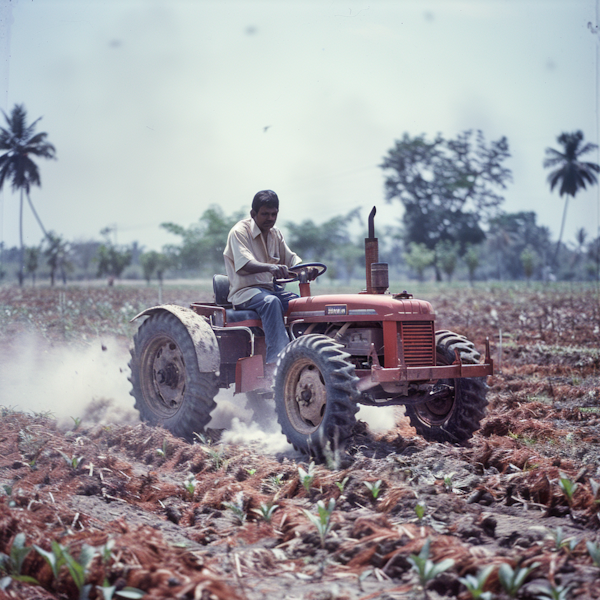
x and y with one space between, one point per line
205 342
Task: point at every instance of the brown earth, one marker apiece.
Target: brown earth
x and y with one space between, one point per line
497 500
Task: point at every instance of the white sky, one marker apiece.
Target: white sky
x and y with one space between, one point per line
157 109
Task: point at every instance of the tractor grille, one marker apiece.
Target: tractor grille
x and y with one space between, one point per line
418 341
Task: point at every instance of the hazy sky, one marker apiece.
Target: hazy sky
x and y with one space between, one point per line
159 109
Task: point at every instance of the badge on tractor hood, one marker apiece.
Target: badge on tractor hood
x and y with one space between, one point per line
336 309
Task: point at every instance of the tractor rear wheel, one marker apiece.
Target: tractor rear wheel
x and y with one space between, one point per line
168 386
315 394
457 416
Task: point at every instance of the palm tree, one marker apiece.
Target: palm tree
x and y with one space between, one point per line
570 172
20 141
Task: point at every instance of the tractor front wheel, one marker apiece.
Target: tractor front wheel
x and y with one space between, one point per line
455 417
315 394
168 386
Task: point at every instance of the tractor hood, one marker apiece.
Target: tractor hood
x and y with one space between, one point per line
361 307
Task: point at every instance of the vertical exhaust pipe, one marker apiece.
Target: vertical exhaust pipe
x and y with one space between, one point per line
371 250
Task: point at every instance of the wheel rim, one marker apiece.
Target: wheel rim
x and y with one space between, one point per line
163 384
437 412
305 396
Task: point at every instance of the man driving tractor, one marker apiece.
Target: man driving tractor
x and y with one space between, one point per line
256 256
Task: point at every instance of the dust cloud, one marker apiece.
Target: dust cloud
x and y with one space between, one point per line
70 382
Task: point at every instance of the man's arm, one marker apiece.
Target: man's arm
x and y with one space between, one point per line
278 271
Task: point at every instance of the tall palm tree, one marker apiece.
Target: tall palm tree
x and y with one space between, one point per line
20 140
571 173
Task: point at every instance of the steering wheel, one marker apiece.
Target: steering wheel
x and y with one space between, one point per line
299 268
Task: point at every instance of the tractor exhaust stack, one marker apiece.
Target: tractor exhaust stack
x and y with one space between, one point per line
376 272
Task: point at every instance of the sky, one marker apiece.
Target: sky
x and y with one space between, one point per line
159 109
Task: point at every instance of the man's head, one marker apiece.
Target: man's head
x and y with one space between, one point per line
265 207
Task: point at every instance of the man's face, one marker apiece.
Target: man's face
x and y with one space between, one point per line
265 218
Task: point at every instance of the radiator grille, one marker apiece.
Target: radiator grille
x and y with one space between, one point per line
418 341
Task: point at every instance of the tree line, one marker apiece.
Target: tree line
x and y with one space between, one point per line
452 224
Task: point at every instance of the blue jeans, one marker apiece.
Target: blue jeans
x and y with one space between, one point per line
271 307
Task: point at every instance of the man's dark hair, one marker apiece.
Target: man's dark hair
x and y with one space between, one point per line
266 198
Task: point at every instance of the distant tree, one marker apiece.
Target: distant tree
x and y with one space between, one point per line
528 260
571 173
32 257
112 261
448 187
202 244
154 262
446 257
57 256
418 258
20 141
471 259
83 253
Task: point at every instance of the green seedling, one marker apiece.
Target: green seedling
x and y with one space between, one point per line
425 568
420 510
162 452
251 472
190 485
202 439
237 507
568 487
554 593
512 580
594 551
72 461
12 563
307 477
78 568
266 511
374 488
217 456
322 520
448 481
76 423
342 484
105 551
55 558
8 490
561 541
476 583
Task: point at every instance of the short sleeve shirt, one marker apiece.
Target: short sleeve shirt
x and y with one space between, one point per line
244 243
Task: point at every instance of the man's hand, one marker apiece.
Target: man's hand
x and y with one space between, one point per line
280 272
312 273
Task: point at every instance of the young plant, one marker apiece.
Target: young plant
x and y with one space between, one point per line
448 482
561 541
307 477
420 510
109 591
266 511
72 461
275 482
55 558
162 452
374 488
217 456
554 593
568 487
8 490
237 507
76 423
425 568
12 563
190 485
322 520
342 484
594 551
512 580
78 567
476 583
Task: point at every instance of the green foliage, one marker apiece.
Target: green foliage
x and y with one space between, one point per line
266 511
342 484
512 580
322 520
472 260
568 487
476 583
307 477
12 563
448 187
76 423
72 461
113 260
446 256
237 507
154 262
190 485
594 552
374 488
529 260
418 258
162 452
554 593
32 258
561 541
420 510
425 568
56 251
202 244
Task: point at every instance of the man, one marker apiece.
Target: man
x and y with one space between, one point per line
255 255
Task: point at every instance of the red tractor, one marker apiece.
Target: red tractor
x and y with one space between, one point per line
373 348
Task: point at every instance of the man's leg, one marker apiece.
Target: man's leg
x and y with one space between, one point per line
270 309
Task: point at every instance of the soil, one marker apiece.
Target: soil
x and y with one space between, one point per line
180 520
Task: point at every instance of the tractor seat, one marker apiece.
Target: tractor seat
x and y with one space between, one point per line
221 289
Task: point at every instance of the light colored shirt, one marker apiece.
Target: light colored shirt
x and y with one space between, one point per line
246 242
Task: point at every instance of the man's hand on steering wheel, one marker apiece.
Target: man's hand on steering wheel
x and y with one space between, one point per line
280 272
312 273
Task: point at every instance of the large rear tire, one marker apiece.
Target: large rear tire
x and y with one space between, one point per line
315 394
168 386
456 417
